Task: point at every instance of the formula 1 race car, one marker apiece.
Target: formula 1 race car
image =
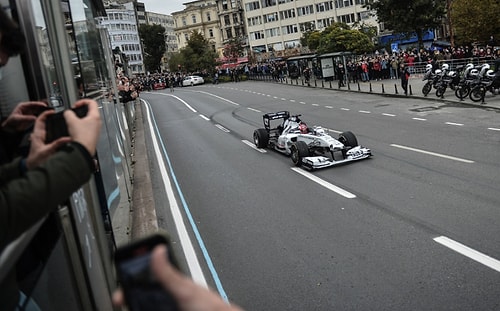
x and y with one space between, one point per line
311 148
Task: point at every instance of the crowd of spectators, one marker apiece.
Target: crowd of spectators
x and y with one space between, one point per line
380 65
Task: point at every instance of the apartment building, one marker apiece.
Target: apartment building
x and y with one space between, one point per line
275 26
231 20
200 16
121 23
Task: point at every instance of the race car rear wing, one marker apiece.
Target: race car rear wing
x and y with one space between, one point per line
268 117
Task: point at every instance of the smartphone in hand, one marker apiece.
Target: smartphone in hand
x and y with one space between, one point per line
142 292
55 125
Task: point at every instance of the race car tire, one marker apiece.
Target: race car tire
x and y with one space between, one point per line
299 150
348 139
260 138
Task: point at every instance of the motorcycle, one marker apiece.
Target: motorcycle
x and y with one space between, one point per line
447 78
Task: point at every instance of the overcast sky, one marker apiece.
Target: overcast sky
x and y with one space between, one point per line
164 6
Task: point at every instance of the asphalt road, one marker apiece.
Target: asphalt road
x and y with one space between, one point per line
420 230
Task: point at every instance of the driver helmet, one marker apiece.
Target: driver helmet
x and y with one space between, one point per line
490 74
320 131
303 128
428 67
445 67
438 71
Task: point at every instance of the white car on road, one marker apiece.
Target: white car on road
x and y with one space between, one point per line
192 80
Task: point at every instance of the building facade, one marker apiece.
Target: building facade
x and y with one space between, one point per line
200 16
121 23
275 27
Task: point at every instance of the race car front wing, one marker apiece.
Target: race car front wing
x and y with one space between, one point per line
353 154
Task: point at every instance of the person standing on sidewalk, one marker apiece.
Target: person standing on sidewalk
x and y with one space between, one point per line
405 75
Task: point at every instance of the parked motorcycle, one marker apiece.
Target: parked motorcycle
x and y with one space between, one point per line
448 78
431 79
489 82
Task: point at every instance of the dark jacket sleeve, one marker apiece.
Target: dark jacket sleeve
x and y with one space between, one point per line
26 198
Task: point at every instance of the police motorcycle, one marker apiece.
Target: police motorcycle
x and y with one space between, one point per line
447 78
431 78
487 81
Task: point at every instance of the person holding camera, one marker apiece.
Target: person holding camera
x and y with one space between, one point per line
188 295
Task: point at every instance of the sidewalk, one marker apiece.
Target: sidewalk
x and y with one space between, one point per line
392 87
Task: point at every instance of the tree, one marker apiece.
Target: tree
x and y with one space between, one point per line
311 39
409 16
153 42
338 37
475 21
233 49
197 56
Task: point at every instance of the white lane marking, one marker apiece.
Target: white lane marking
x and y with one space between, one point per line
469 252
452 123
282 98
292 100
324 183
493 129
220 127
329 107
187 246
432 153
267 95
388 114
181 100
345 109
303 103
252 145
419 119
253 109
222 98
275 97
204 118
364 111
315 105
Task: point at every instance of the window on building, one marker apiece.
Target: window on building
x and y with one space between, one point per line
267 3
307 26
193 18
285 30
273 32
324 6
323 23
252 6
209 17
211 32
272 17
224 5
305 10
287 14
227 20
252 21
235 18
348 18
257 35
229 33
184 23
